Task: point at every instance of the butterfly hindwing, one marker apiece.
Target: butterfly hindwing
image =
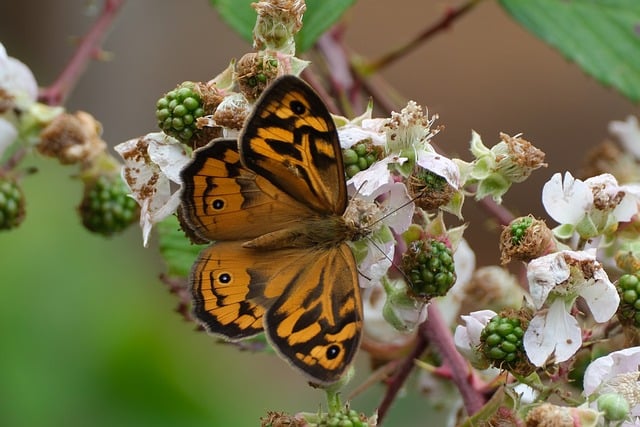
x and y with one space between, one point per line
231 289
316 324
307 300
292 141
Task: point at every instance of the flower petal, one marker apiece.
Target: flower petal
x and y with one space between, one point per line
544 274
606 367
566 201
554 332
601 297
440 165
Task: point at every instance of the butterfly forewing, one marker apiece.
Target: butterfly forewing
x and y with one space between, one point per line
293 142
223 200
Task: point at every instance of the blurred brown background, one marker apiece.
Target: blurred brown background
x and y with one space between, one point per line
484 73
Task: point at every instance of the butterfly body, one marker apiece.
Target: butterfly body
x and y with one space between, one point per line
274 203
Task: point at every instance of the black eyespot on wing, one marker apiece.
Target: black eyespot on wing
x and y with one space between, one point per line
224 278
297 107
218 204
333 351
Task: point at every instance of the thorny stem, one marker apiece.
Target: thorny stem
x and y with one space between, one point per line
87 49
450 16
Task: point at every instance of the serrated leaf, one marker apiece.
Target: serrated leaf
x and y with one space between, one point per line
175 248
602 36
319 17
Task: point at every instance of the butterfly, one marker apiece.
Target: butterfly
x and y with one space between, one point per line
273 202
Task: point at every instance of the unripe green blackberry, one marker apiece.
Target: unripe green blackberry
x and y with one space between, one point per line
360 157
344 418
11 204
429 267
502 342
629 309
178 110
106 207
519 227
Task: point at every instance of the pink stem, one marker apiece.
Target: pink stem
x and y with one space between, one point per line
439 335
56 93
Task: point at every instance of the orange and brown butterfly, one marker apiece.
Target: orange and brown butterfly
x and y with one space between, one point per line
274 202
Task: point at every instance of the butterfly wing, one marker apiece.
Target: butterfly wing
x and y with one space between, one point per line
316 324
308 302
291 140
223 200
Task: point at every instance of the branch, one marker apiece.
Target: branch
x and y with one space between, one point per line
56 93
397 381
437 332
449 17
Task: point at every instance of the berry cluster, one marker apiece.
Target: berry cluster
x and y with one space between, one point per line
359 157
106 207
345 418
629 289
430 268
11 204
502 341
178 111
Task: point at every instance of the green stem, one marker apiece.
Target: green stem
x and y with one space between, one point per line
334 405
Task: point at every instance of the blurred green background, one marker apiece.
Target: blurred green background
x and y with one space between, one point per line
89 335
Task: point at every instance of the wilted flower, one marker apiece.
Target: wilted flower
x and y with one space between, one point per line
495 169
18 90
151 163
555 282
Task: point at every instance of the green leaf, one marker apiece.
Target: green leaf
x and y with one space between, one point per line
602 36
319 17
176 249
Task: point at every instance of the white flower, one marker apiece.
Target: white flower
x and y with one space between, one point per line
151 163
388 208
361 129
618 373
628 133
17 80
410 128
372 180
20 88
589 207
467 337
555 282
